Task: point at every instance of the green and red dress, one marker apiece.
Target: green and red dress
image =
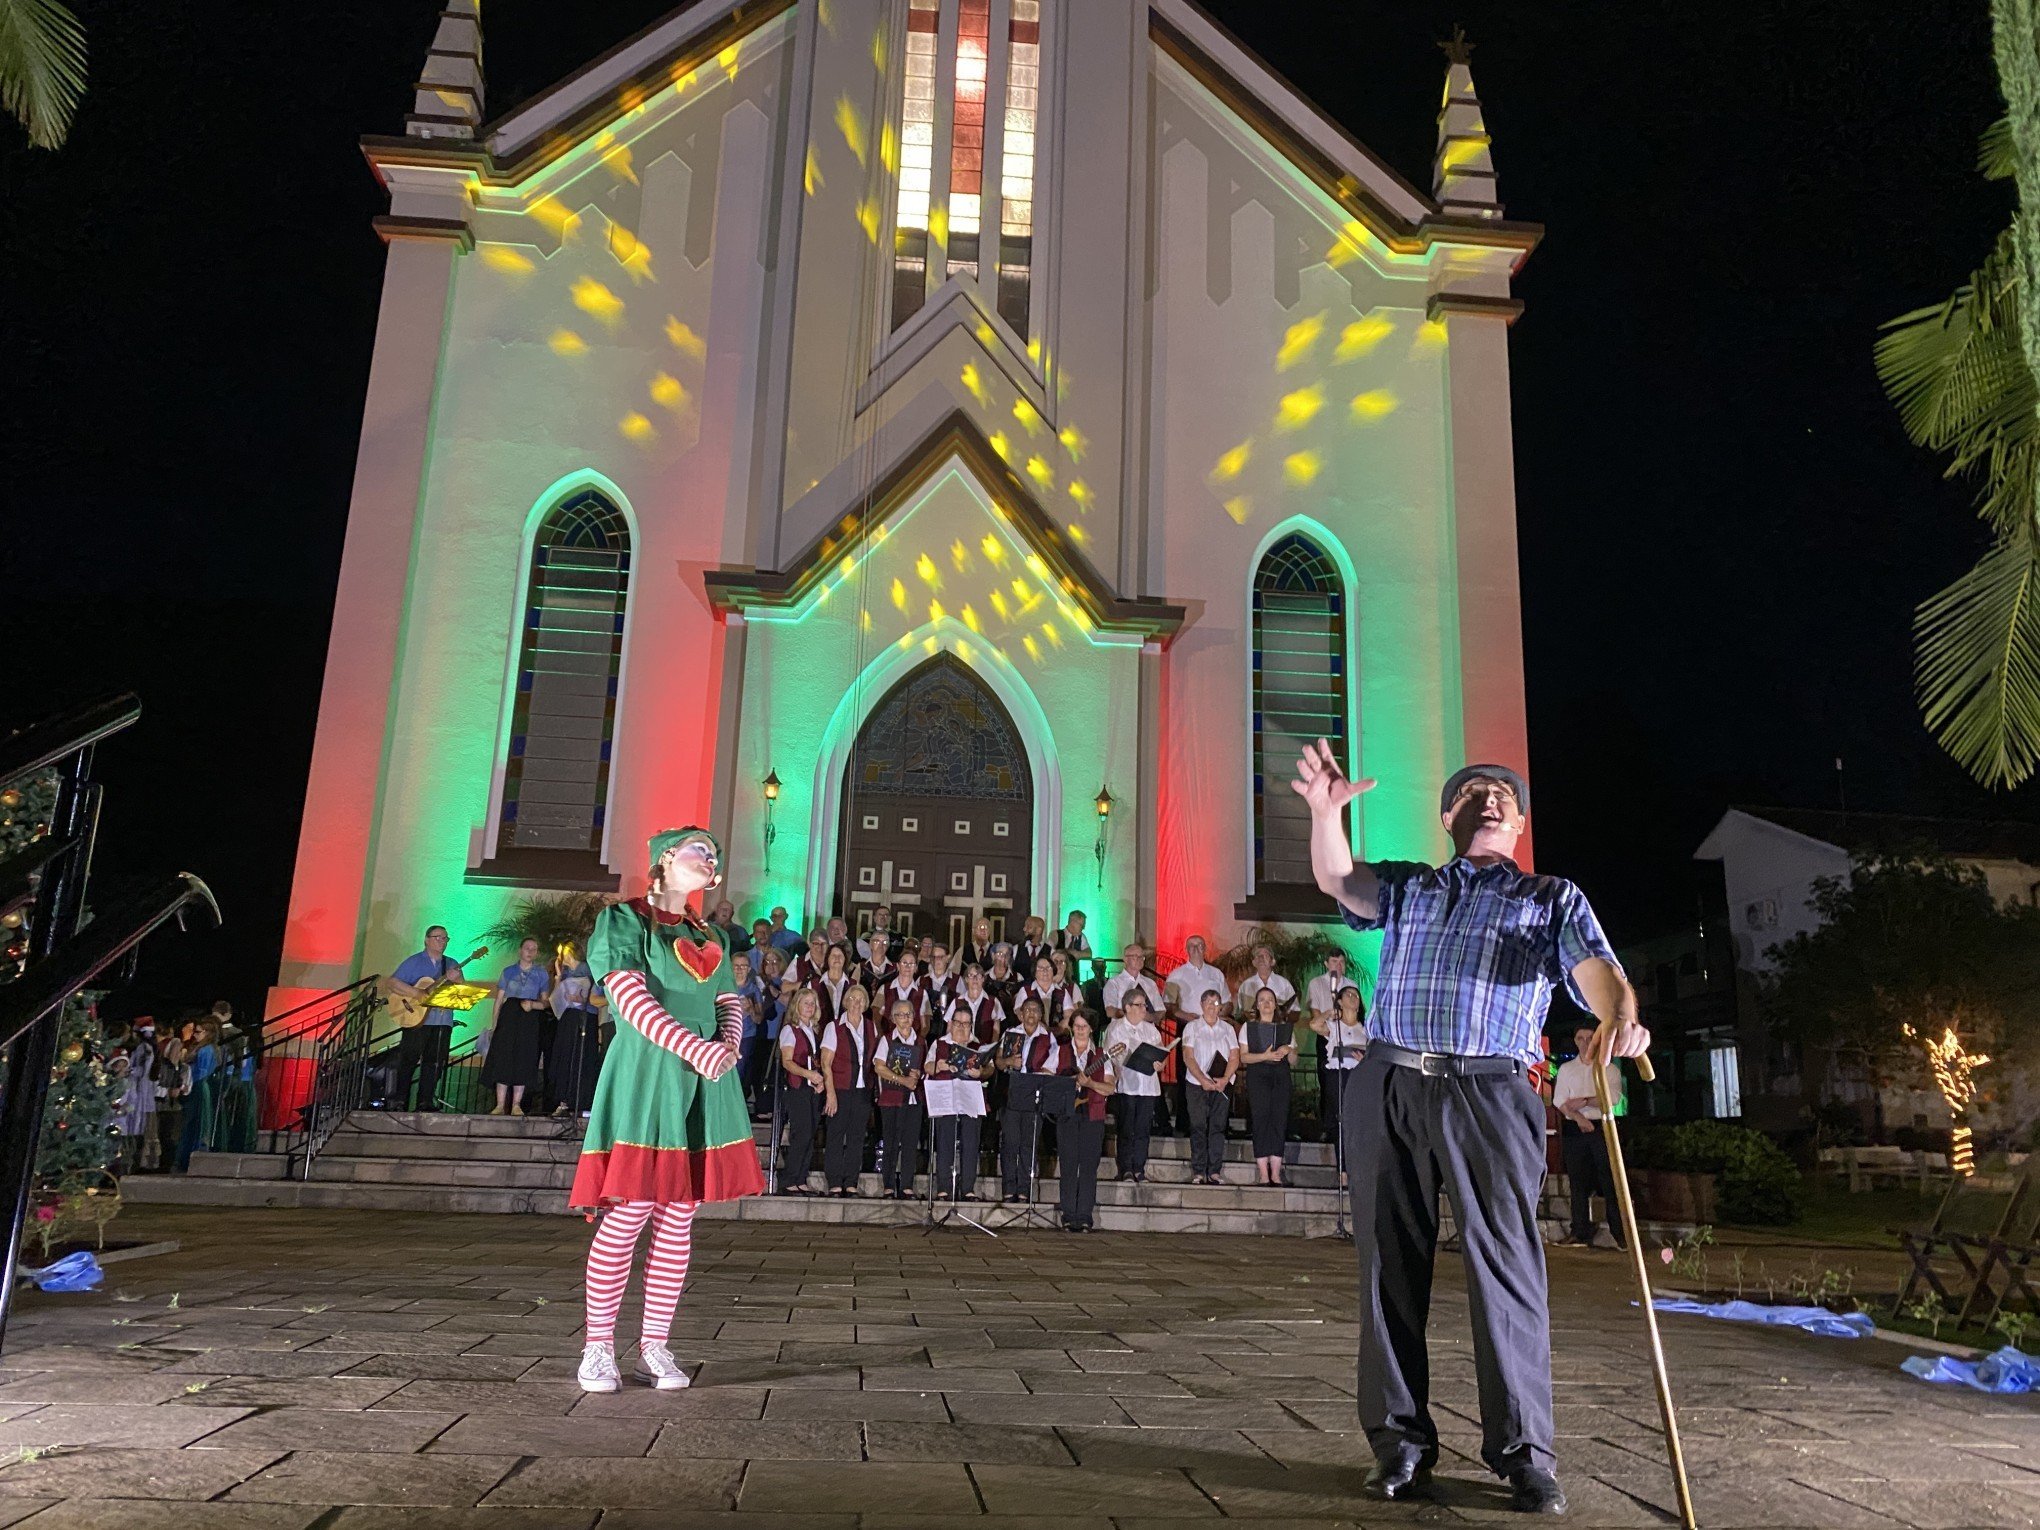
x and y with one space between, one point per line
661 1130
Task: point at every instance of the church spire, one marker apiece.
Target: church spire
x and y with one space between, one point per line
449 99
1463 173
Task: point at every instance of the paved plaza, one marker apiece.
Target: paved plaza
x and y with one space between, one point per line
363 1370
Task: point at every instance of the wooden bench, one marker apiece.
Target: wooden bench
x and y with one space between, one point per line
1972 1218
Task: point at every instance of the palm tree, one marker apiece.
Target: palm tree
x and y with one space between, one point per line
1962 375
42 67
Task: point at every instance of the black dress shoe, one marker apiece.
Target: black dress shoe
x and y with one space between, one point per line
1536 1492
1398 1477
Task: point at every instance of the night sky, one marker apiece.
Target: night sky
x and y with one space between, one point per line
1724 532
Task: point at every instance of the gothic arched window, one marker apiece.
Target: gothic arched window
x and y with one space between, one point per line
1299 695
968 124
563 716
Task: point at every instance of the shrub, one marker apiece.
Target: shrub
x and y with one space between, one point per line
1755 1182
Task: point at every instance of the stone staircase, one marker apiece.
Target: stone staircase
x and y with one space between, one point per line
388 1160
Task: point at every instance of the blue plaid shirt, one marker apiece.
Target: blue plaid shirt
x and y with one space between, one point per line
1470 955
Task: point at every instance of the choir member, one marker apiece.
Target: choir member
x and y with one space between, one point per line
878 947
905 987
801 1086
1058 1001
954 1058
1080 1134
1269 1043
1033 945
899 1063
941 983
979 947
1031 1050
1136 1091
1002 982
1071 937
809 964
1343 1040
1320 999
1211 1049
847 1047
833 981
1264 975
987 1014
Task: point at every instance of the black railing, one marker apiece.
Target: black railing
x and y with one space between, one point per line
312 1070
44 883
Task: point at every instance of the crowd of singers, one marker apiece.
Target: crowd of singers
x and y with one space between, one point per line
882 1042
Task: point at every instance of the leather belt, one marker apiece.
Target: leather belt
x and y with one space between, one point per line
1443 1064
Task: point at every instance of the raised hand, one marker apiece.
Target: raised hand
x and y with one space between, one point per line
1321 783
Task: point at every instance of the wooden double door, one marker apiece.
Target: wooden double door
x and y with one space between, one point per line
938 811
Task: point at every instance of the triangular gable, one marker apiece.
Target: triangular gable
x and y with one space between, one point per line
955 436
1345 169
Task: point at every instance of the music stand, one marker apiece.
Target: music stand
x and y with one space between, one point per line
1342 1052
932 1219
1041 1096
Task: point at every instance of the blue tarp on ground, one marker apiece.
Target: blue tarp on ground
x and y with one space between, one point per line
2009 1370
1832 1325
73 1272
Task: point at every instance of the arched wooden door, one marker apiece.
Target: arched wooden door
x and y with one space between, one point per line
938 810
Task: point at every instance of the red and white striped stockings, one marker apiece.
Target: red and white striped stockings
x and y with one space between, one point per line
609 1260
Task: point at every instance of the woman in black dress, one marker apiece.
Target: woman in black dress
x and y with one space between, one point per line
512 1063
1268 1048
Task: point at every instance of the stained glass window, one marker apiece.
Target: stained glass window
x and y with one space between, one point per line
917 162
940 733
1299 696
556 781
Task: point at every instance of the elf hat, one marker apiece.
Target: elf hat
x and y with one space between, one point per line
668 839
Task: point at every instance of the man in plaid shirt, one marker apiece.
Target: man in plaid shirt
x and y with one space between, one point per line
1471 951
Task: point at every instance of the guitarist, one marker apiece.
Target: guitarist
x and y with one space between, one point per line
423 1047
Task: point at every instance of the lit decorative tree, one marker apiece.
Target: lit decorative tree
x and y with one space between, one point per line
1954 1070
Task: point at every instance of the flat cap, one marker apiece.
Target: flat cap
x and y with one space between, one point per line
1502 773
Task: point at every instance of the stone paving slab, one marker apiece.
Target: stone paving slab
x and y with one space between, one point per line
392 1371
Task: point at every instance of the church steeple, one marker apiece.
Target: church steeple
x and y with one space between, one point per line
449 99
1463 173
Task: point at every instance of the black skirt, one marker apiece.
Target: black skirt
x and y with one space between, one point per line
513 1049
1268 1106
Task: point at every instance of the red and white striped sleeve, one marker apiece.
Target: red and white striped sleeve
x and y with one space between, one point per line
729 1019
636 1008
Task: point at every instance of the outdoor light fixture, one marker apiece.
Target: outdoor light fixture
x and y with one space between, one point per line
771 788
1103 803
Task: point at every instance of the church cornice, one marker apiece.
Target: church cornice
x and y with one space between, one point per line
744 590
1336 162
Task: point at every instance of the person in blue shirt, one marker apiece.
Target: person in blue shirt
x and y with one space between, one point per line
201 1109
521 1012
784 936
750 1056
571 1067
421 1051
1444 1102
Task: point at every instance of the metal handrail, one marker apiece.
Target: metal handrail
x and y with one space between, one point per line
56 739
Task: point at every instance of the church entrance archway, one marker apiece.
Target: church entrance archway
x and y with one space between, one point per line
938 810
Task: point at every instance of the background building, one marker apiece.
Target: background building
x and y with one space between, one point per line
956 411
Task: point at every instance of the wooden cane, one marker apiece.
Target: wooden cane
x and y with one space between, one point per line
1642 1269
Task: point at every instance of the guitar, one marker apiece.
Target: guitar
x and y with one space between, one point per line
409 1012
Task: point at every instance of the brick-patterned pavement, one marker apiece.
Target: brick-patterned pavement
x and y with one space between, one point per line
370 1371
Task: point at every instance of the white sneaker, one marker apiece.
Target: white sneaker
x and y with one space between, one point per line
657 1365
598 1369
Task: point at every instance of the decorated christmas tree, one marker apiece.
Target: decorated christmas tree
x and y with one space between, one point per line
25 808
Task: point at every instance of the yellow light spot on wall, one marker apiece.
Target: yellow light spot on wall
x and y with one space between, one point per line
1077 534
554 217
1034 350
1346 248
630 252
850 123
1460 151
998 599
993 549
938 224
1302 467
1028 416
1232 463
1432 335
931 644
899 595
985 332
878 49
935 612
865 617
973 383
906 640
1362 336
1039 470
617 163
959 556
666 390
727 59
1239 507
500 257
889 149
1019 588
635 427
1081 492
685 340
1048 631
811 177
566 343
631 98
1002 446
846 566
930 574
970 618
1374 404
867 218
1036 567
592 298
1074 441
685 77
1297 409
962 649
1033 648
1298 340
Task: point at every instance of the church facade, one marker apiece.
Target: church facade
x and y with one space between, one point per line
955 449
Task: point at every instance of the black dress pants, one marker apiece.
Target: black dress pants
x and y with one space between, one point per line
1136 1127
802 1108
1480 1141
1209 1109
956 1155
576 1059
1079 1142
1019 1141
1588 1171
843 1153
421 1055
900 1126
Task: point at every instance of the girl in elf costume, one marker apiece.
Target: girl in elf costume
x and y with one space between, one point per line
668 1129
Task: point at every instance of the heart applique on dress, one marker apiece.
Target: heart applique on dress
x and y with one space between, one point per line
700 958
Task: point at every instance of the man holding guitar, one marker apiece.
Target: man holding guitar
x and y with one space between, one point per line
427 1032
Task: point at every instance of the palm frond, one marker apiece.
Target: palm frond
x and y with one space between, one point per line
1978 664
1956 371
42 67
1997 156
553 920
